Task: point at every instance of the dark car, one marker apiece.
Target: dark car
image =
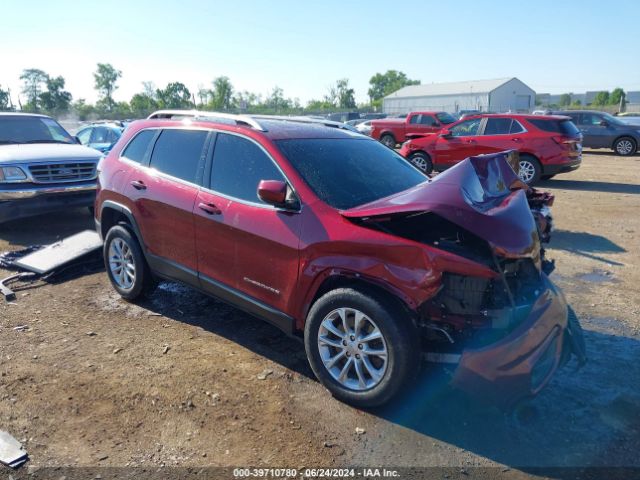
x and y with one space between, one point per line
336 239
102 137
601 130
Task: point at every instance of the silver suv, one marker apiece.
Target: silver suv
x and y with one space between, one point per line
42 167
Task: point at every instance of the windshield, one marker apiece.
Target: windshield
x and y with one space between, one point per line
26 129
345 173
445 118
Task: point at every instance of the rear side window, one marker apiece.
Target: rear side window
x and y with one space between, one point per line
138 146
564 127
238 166
178 153
516 127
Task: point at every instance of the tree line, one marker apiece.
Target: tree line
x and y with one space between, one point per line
602 99
47 94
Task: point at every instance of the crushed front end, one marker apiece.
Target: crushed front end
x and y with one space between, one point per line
503 324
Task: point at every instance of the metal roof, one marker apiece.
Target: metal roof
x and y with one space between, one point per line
450 88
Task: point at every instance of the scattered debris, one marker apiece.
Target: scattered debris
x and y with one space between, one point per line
265 373
165 349
11 452
49 258
21 328
116 350
9 294
91 334
360 431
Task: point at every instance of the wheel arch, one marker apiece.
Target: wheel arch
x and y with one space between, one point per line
625 135
344 279
113 213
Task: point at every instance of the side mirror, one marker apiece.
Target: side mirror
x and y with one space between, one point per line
445 133
604 123
273 192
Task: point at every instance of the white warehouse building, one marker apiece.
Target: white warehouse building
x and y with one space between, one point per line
499 95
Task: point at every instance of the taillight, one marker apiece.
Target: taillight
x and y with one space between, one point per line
566 141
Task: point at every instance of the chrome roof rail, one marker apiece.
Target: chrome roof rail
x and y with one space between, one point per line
298 119
230 117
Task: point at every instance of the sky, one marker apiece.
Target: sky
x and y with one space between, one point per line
304 46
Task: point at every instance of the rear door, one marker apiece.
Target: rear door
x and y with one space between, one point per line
499 134
460 144
248 245
164 193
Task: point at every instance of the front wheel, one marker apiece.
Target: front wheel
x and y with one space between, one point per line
362 348
530 170
125 264
625 146
422 162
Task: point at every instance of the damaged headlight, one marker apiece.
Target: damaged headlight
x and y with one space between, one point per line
12 174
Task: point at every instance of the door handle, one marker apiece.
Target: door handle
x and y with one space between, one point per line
471 141
138 185
517 140
209 208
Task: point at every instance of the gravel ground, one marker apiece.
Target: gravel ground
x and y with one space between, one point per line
183 380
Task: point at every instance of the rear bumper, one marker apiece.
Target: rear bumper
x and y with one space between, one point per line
556 168
522 363
24 201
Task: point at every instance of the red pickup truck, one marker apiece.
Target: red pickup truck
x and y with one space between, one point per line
392 131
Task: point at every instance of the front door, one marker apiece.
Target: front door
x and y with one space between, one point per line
596 131
249 246
462 142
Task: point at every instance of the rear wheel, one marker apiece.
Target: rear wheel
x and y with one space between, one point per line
388 141
530 170
361 347
422 162
625 146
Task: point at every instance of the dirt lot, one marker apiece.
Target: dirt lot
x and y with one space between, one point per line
186 380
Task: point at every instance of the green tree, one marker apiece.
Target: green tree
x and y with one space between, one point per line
142 105
221 94
4 99
105 80
55 100
83 110
345 96
383 84
246 100
32 81
601 98
174 95
576 103
617 97
565 99
276 101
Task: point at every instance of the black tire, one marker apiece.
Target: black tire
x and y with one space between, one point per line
625 146
530 169
143 283
547 177
388 141
400 338
422 162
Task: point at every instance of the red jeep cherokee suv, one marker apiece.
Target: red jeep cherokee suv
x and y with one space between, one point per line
335 238
548 145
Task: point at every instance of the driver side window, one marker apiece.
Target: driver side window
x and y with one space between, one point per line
467 128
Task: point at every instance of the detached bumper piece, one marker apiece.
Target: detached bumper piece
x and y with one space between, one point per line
522 363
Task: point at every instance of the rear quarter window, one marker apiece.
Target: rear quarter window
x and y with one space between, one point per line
137 147
563 127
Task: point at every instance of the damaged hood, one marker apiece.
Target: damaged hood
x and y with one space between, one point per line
480 194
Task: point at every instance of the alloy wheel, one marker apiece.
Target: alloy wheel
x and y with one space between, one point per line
121 264
420 162
353 349
624 147
527 171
